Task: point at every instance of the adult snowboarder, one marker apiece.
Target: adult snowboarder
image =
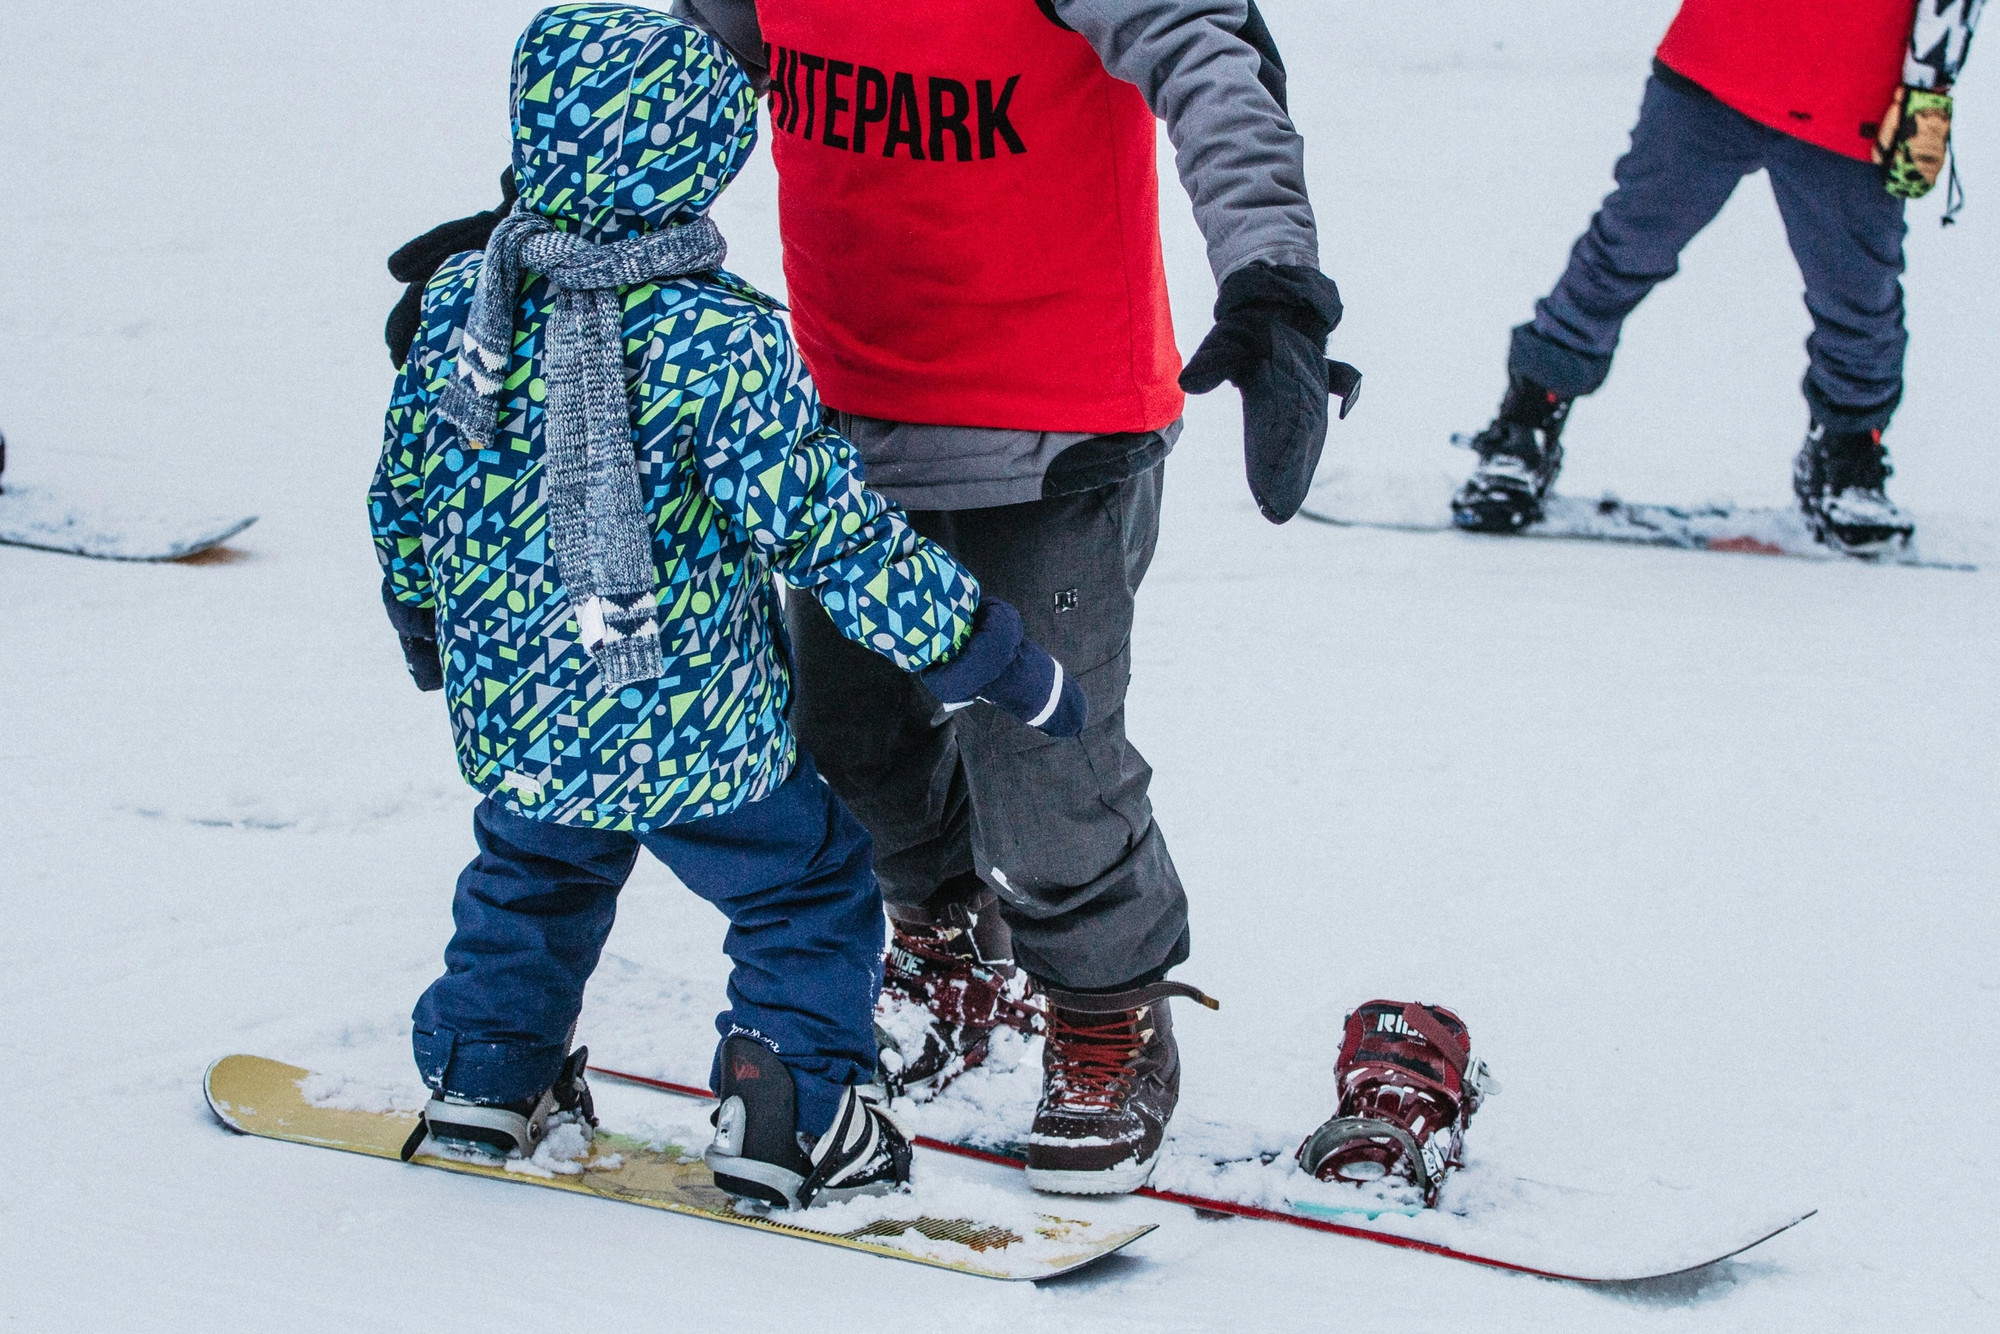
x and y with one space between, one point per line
597 453
1847 103
969 208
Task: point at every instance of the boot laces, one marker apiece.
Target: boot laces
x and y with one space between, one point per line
1094 1063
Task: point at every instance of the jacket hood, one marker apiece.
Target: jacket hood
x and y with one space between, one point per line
625 120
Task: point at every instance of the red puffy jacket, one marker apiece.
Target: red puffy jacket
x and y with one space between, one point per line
1820 70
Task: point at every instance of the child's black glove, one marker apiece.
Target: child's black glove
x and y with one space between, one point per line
414 264
1269 340
1002 666
416 627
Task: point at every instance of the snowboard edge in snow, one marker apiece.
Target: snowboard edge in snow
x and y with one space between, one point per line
32 518
255 1096
1749 1237
1737 530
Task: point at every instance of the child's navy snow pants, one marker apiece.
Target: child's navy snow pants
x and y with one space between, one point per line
1688 153
791 872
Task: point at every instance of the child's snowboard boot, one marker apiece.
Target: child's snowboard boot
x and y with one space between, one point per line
1111 1077
1519 457
759 1154
1839 478
508 1129
1408 1088
948 986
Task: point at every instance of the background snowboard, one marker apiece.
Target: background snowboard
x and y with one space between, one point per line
255 1096
32 517
1484 1217
1421 502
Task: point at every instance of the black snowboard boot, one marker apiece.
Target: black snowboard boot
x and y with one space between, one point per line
507 1129
948 986
1111 1077
758 1153
1519 457
1839 478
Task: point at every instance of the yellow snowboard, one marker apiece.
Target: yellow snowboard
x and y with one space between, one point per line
254 1096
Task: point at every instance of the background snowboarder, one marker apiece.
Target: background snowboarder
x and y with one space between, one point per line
1847 104
969 207
609 627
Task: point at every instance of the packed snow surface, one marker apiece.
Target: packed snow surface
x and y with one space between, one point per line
1702 846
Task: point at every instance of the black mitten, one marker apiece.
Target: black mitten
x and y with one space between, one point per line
414 264
1269 340
416 627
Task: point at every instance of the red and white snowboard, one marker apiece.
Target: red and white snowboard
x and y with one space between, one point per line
1421 503
1638 1232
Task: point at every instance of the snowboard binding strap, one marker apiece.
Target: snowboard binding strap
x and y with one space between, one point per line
506 1129
1408 1089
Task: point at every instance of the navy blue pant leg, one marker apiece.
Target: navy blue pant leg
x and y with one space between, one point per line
1688 153
794 874
1847 233
531 914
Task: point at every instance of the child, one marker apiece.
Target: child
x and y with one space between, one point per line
600 452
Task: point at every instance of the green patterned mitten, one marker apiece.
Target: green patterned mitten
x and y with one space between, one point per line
1911 145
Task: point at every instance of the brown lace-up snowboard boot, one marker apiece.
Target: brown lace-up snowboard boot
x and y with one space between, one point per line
948 985
1111 1076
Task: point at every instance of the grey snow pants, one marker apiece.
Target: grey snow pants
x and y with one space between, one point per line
1060 829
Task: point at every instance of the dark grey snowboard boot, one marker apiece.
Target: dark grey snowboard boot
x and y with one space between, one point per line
1519 457
1839 478
759 1154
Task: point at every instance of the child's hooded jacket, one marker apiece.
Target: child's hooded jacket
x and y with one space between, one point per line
626 121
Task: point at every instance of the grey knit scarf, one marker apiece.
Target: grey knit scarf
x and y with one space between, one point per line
598 529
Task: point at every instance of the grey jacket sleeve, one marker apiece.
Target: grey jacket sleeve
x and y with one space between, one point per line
734 24
1939 41
1209 69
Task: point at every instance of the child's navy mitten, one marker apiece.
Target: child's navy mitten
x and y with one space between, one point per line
1002 666
416 627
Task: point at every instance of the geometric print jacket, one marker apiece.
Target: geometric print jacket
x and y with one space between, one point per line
626 120
741 481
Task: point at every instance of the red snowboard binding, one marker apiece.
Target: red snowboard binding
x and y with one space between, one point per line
1408 1089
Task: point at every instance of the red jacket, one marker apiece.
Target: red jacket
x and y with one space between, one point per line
1820 70
971 217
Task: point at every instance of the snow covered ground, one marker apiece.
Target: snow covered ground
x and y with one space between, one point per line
1703 847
